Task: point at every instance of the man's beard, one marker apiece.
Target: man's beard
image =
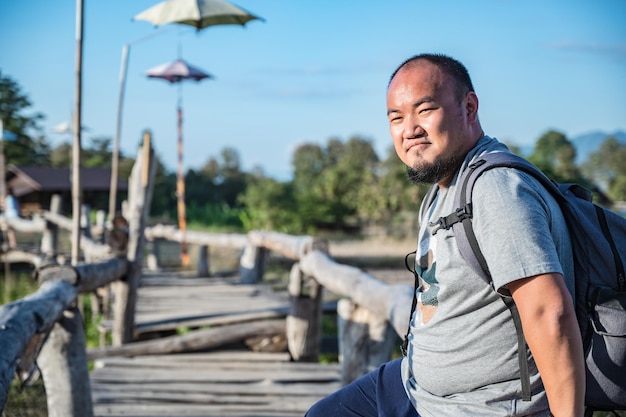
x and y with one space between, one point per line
430 173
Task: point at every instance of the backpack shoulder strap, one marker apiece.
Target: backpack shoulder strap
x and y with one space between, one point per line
461 222
464 233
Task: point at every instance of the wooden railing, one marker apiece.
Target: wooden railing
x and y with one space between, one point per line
372 313
46 327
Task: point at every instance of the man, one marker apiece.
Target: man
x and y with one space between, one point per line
462 356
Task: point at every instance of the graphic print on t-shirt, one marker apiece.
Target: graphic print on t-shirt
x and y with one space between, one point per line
426 268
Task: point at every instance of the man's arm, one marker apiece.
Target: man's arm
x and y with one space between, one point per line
551 331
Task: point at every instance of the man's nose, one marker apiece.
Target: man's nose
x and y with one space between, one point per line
412 128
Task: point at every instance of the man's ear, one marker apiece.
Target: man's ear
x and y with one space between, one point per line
471 106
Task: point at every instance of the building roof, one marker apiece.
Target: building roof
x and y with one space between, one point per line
27 179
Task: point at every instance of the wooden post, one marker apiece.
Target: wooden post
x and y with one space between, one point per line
85 222
101 218
152 250
140 195
203 261
365 340
252 264
50 236
63 365
304 321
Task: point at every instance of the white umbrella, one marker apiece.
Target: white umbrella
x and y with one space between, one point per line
196 13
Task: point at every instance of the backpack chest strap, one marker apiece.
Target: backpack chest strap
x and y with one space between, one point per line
459 215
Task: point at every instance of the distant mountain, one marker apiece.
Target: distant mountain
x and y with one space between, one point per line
590 142
585 144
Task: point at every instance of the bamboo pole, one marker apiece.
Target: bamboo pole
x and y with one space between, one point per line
118 133
180 191
76 149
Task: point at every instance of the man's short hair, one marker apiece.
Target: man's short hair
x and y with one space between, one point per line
447 65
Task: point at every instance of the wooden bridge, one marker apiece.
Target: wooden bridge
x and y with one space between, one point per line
228 381
246 350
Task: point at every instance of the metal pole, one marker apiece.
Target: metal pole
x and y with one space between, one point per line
118 132
76 149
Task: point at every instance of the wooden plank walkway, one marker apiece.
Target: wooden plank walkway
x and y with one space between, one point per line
209 384
168 302
225 383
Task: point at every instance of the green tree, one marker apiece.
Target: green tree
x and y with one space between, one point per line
31 147
212 193
308 163
327 181
98 153
61 155
270 205
606 167
390 200
555 155
164 194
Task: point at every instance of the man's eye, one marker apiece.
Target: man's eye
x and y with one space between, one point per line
426 110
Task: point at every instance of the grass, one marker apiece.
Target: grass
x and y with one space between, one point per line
29 401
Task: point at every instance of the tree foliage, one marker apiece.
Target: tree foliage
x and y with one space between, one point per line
327 181
607 167
270 205
212 193
30 147
342 186
555 155
389 200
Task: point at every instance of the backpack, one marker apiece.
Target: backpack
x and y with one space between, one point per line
598 238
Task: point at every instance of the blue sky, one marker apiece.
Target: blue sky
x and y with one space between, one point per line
316 69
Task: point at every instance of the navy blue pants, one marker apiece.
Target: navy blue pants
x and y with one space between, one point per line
378 394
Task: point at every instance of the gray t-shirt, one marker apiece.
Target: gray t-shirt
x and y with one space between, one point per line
462 356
